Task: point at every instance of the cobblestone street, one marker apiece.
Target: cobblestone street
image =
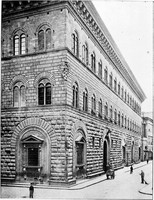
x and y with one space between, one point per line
124 186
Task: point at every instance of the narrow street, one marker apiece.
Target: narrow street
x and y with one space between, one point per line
124 186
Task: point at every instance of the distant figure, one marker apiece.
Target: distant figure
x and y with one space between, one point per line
142 176
131 169
31 190
147 161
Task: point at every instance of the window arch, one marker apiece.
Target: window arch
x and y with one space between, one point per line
44 38
75 95
19 43
100 69
93 62
85 100
106 75
19 97
75 43
100 107
44 92
93 103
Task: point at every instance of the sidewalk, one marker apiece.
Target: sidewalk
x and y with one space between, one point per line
81 184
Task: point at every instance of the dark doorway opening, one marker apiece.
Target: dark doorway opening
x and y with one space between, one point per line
105 156
124 153
32 156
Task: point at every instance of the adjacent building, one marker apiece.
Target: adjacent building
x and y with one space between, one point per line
147 136
70 103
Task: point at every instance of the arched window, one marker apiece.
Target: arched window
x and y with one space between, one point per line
125 95
75 95
44 38
85 100
85 53
128 124
110 80
125 122
119 118
41 40
75 44
19 99
122 92
100 108
106 75
48 38
93 103
115 85
128 98
106 111
44 92
111 113
115 116
100 69
122 120
119 88
93 62
19 43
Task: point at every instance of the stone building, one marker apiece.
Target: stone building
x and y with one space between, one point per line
147 136
70 103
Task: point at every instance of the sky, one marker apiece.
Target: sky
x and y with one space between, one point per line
130 25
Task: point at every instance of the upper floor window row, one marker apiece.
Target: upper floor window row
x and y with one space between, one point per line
108 112
20 40
44 93
109 80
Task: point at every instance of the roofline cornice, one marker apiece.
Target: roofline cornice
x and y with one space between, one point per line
88 13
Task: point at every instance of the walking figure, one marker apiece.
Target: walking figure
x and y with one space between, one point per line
131 169
31 190
142 176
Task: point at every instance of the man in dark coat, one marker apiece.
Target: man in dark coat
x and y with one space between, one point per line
142 176
31 190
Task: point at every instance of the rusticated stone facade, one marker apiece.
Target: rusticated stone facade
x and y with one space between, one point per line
70 130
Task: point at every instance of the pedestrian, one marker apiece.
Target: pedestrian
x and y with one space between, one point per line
142 176
131 169
31 190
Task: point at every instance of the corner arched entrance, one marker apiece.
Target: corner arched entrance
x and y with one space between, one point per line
32 143
79 150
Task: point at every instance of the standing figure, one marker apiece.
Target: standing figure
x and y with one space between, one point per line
131 169
31 190
142 176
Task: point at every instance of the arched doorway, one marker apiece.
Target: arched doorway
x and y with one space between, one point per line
105 154
124 154
33 161
80 154
139 151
